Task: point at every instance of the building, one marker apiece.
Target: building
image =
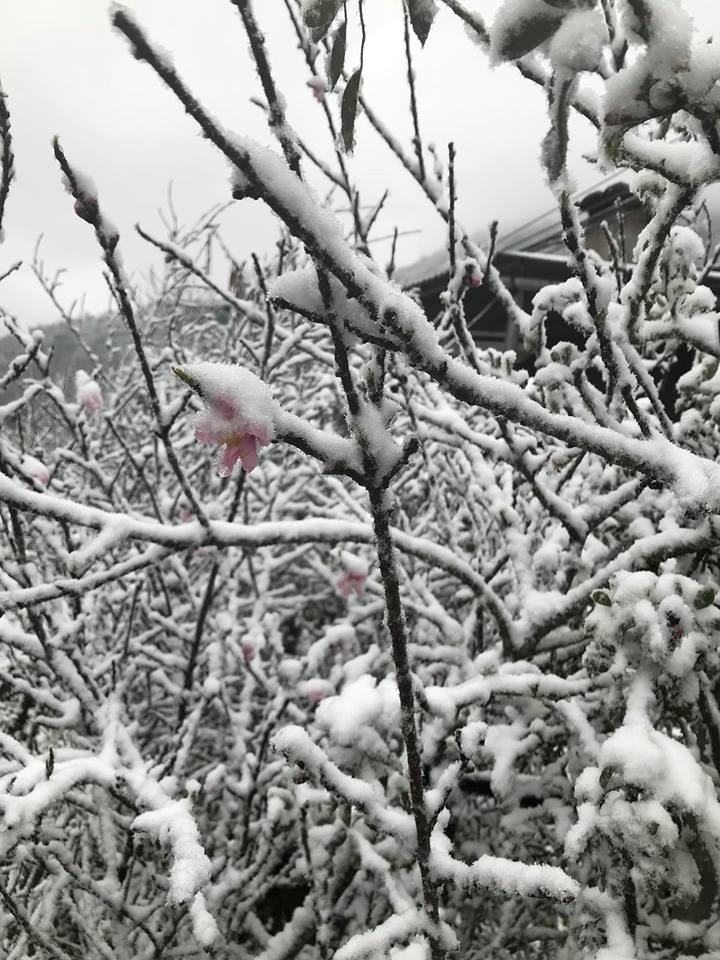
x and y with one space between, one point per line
531 257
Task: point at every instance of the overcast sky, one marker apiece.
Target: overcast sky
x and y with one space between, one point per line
66 72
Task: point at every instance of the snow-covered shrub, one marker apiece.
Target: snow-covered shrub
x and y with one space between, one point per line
431 661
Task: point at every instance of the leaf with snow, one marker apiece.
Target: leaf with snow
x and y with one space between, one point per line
522 25
319 15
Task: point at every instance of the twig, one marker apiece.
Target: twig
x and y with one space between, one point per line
417 141
278 121
451 206
88 209
7 156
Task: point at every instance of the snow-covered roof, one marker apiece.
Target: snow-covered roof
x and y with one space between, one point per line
541 234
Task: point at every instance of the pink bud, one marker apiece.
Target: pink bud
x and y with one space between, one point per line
351 582
87 208
92 402
88 392
37 469
248 650
318 87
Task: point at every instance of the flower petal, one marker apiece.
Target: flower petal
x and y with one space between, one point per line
225 408
229 458
344 587
204 430
247 446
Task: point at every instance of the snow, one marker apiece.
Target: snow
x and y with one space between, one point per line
295 743
354 564
502 875
417 949
665 36
521 25
579 42
337 637
664 768
378 941
358 706
205 929
31 794
36 469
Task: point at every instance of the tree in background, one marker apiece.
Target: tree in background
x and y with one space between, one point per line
425 657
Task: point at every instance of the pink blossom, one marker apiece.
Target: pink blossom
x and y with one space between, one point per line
36 469
355 575
239 412
186 515
88 392
475 281
248 651
241 441
92 402
351 582
315 689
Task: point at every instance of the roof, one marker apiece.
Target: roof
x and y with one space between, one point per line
541 235
519 264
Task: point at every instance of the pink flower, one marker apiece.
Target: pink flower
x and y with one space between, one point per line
248 651
88 392
356 572
315 689
187 516
351 582
239 412
92 401
475 281
241 441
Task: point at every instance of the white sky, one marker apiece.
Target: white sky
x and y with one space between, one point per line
66 72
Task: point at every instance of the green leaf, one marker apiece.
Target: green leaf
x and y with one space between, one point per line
337 55
520 28
705 597
422 13
348 110
319 15
601 597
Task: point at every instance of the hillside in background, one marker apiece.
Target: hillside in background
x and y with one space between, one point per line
98 340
